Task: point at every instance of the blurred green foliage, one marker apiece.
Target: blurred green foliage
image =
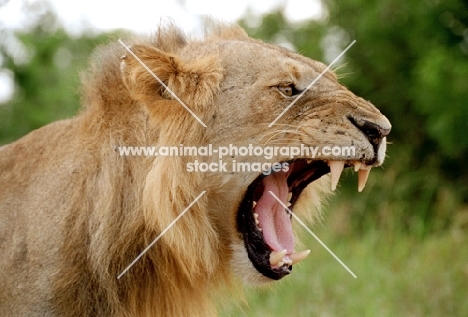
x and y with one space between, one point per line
411 61
46 63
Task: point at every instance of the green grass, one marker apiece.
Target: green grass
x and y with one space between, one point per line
397 275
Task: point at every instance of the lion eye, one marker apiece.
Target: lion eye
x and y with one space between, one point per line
287 90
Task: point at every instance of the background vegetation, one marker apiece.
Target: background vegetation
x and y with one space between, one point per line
405 236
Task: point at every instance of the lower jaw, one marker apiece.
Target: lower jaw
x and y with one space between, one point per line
258 251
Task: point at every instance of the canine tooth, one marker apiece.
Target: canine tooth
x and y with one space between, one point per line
254 203
336 167
362 178
288 204
299 256
276 257
365 167
357 166
289 196
309 161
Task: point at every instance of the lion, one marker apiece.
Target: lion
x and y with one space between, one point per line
75 212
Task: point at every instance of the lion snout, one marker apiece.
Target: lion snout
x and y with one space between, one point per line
374 131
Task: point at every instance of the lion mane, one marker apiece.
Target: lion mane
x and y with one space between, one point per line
74 212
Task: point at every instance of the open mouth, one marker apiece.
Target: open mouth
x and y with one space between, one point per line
264 222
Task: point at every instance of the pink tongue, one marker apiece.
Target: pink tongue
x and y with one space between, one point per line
272 216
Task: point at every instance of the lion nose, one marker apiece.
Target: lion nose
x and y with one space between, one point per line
373 131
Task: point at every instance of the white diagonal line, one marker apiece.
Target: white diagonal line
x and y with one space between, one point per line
311 84
162 83
313 235
161 234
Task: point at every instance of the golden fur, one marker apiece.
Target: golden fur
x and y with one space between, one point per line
74 213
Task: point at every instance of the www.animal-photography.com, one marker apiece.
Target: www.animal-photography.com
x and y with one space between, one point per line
270 158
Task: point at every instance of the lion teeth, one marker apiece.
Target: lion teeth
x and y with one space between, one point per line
336 167
288 204
363 174
309 161
256 218
279 258
276 257
299 256
254 203
365 167
357 166
289 196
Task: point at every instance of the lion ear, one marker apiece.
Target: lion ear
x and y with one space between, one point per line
195 82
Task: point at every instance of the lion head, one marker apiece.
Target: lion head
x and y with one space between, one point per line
238 86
